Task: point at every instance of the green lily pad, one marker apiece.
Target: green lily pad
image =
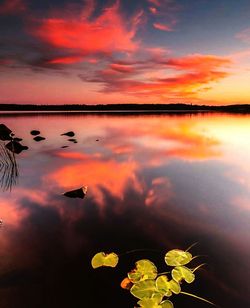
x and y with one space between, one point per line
163 286
167 304
103 259
149 303
144 289
180 273
177 257
144 270
166 287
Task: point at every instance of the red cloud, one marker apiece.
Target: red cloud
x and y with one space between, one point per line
12 7
149 78
66 60
122 68
162 27
106 34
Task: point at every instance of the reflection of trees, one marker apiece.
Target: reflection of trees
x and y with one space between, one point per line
8 168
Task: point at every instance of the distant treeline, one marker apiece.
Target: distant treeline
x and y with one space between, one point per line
128 107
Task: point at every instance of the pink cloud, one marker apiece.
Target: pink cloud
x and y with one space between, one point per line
105 34
162 27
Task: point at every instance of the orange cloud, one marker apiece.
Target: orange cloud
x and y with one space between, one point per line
162 27
12 7
105 34
194 73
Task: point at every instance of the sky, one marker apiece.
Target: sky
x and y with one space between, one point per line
117 51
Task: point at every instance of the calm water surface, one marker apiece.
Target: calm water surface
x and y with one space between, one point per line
154 182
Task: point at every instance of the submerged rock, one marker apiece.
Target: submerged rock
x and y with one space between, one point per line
17 139
69 134
77 193
5 132
35 132
16 147
72 140
39 138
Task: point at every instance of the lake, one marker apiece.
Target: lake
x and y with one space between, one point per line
155 182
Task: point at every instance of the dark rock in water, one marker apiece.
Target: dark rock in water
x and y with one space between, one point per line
69 134
35 132
72 140
38 138
64 146
78 193
15 147
5 132
17 139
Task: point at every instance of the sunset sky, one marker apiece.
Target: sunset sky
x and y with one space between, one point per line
144 51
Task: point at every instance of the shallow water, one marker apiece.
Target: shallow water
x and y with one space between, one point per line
154 182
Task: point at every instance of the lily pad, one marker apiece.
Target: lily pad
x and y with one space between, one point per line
177 257
144 289
144 269
126 284
167 304
149 303
102 259
163 285
180 273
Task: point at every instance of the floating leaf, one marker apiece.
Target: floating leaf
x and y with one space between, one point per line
163 285
144 269
174 286
166 287
177 257
182 272
149 303
167 304
103 259
126 284
144 289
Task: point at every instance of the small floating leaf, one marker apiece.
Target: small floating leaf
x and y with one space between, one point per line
144 289
126 283
103 259
177 257
149 303
167 304
144 269
163 286
182 272
174 286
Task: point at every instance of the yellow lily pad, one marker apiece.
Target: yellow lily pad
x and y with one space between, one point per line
144 270
144 289
167 304
103 259
177 257
180 273
149 303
